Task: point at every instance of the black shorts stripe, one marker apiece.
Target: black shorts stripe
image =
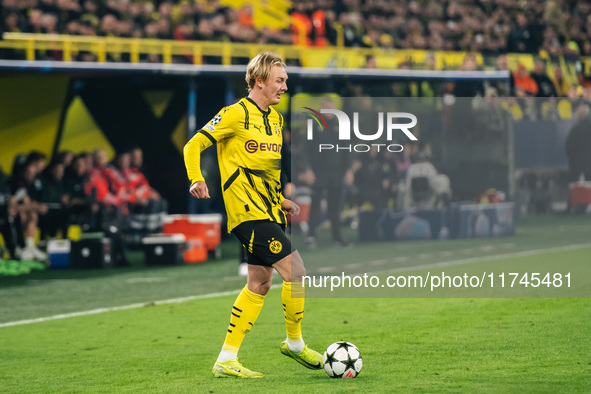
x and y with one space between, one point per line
246 116
231 179
209 136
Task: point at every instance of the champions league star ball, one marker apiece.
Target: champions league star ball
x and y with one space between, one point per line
342 359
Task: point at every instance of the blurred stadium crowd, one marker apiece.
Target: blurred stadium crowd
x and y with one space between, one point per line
557 27
43 200
493 27
544 28
116 198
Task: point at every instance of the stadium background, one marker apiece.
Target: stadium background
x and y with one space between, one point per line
69 92
81 106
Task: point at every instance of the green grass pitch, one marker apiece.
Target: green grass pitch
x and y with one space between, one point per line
408 344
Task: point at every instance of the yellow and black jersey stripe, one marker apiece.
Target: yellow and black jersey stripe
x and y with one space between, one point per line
249 153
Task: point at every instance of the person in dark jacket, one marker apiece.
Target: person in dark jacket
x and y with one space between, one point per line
328 168
545 85
53 194
578 145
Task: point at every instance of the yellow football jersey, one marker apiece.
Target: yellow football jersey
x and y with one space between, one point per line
249 154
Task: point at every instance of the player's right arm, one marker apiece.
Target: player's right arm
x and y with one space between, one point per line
218 128
192 155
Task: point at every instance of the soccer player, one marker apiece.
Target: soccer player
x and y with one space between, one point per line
249 138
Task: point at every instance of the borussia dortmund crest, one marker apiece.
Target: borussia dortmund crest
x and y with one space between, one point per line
275 247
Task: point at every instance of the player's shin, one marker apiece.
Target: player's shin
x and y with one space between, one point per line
244 314
292 297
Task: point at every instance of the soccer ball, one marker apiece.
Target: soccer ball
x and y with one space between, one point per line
342 359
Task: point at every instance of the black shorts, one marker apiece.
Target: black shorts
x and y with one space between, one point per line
265 241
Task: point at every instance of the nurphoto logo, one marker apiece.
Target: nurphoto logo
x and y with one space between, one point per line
392 125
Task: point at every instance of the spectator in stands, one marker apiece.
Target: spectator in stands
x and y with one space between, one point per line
35 22
524 35
108 27
12 23
372 179
39 160
25 188
136 177
503 88
301 24
370 62
113 209
468 88
80 205
10 223
156 206
560 83
246 16
352 28
525 86
328 172
467 25
98 184
65 157
423 187
54 195
90 12
544 83
578 145
403 160
50 24
118 183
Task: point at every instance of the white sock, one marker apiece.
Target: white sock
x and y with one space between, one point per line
295 346
30 242
226 356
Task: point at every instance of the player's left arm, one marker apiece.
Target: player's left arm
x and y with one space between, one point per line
290 207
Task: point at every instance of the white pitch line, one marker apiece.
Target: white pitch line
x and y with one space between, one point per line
354 265
124 307
486 258
234 292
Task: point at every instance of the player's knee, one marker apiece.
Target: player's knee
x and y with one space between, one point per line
261 288
298 271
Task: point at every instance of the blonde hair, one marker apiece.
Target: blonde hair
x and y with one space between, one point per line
260 67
